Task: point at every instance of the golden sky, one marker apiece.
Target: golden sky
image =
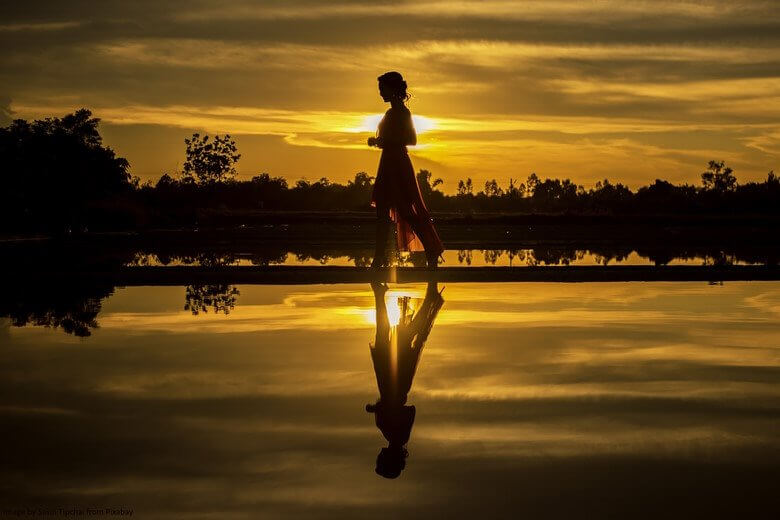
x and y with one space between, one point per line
631 91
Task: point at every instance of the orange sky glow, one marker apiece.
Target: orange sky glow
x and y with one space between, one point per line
581 90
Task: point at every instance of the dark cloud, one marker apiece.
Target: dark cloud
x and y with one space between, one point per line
649 23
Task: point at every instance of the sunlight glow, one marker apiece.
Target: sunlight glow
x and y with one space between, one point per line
370 123
423 124
393 312
393 308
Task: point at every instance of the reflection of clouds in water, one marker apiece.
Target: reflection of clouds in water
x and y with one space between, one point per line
560 384
483 305
332 309
768 301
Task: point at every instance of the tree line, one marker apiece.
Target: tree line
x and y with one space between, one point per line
57 175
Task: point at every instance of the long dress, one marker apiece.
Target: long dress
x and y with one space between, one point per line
396 186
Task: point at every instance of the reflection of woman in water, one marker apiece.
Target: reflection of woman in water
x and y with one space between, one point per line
395 354
396 194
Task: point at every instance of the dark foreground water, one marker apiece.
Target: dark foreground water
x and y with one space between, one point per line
618 400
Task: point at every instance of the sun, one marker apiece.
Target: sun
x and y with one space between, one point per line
422 124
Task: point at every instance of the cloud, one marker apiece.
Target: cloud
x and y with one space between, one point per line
546 81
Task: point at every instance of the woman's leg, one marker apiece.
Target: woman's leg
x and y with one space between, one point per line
420 229
383 227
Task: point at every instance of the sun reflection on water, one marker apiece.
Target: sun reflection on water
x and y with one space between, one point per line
393 303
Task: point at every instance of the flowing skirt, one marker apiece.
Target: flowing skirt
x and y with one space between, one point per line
396 188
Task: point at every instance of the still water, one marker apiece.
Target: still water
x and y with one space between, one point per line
498 400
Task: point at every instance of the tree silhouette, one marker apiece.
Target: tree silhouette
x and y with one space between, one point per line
217 297
514 190
210 162
465 188
426 185
719 177
71 307
56 176
362 180
53 169
492 189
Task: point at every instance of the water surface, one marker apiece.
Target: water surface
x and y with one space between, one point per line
532 399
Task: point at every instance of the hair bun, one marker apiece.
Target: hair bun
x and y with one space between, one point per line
395 81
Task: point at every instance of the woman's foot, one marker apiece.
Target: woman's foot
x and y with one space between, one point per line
433 259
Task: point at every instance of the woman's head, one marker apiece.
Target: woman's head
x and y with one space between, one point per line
391 461
392 86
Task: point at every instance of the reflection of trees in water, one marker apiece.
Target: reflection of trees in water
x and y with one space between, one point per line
359 259
545 256
144 259
492 256
606 255
464 255
720 259
209 259
531 257
268 258
413 259
322 258
710 256
362 260
73 309
217 297
539 255
261 257
85 257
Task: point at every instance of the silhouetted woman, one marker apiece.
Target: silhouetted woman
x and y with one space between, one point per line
395 354
396 194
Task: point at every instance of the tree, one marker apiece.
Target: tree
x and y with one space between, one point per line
554 194
531 183
362 180
515 190
465 188
424 180
210 162
610 197
265 180
53 169
166 182
492 189
719 177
